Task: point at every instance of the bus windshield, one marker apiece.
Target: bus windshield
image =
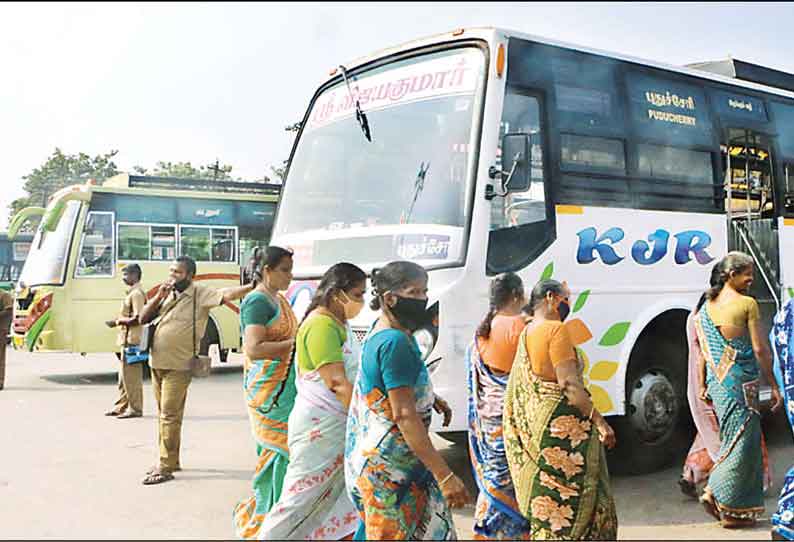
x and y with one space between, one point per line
48 254
402 195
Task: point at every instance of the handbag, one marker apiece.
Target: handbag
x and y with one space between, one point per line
200 366
133 354
147 337
147 331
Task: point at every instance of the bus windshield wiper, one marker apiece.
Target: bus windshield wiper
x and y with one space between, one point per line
419 185
361 117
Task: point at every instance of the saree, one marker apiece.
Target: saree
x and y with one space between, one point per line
314 504
395 495
496 515
556 460
705 448
736 481
262 381
782 338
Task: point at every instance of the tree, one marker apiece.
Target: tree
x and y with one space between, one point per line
186 170
60 170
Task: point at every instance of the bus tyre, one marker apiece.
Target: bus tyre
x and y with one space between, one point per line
657 429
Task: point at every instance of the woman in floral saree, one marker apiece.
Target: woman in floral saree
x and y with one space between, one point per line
782 339
314 504
735 490
554 436
401 486
269 326
489 359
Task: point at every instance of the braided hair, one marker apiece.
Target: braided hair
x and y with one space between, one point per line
260 260
733 262
504 289
393 276
340 277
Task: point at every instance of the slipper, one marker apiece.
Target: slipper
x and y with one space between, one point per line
157 478
129 414
687 488
736 523
112 413
155 468
710 506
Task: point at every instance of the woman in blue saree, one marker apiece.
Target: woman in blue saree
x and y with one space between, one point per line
489 359
782 339
730 380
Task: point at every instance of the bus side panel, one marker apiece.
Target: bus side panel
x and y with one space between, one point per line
624 267
786 243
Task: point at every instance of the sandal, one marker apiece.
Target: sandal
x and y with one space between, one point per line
736 523
154 469
710 506
157 478
687 488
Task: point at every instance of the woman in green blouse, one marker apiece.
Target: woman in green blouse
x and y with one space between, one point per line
268 327
314 504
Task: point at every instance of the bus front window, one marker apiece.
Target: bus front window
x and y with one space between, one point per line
402 195
46 262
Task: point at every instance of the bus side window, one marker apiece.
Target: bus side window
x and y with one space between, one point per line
96 247
519 220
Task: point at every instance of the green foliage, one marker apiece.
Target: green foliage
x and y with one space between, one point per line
186 170
58 171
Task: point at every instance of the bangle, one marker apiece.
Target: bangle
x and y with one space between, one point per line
592 409
446 479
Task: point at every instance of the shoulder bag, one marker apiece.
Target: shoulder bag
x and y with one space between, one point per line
200 366
147 331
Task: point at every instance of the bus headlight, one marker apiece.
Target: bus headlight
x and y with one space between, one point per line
426 340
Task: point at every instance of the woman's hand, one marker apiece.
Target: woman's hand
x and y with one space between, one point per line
455 492
777 399
703 395
606 434
441 407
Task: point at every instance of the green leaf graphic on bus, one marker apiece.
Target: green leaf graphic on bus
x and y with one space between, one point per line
615 334
791 292
547 272
581 300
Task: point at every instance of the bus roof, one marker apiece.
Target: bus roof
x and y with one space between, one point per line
195 188
492 33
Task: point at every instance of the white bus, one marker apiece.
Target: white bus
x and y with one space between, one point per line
481 151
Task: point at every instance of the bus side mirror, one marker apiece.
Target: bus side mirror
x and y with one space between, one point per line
516 159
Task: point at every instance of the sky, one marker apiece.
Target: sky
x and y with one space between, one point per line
204 81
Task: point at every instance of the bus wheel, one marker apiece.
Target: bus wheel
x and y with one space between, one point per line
657 428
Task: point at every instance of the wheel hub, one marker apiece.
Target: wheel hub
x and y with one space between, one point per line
654 406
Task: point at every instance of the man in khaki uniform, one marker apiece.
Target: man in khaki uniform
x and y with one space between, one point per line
130 401
6 311
172 350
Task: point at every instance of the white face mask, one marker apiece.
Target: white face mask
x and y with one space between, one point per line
351 307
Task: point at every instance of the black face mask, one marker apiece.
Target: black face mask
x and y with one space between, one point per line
410 312
181 285
564 310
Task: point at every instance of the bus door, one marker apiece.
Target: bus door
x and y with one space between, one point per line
750 207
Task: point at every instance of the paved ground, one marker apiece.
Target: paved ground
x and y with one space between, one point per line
69 472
